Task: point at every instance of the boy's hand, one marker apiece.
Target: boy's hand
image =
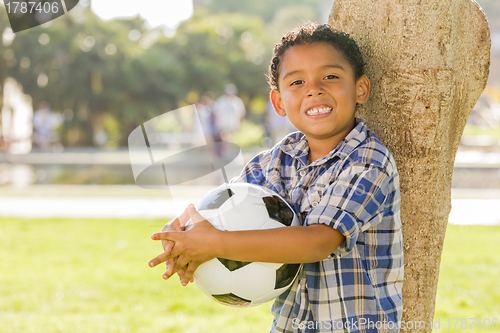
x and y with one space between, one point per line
178 224
192 247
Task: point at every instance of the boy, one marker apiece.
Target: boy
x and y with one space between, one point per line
341 181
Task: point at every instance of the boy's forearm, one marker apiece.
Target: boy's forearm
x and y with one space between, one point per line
286 245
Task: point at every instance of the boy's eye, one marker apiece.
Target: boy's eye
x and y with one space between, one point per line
296 82
329 77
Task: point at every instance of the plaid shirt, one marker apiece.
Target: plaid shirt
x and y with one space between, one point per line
355 189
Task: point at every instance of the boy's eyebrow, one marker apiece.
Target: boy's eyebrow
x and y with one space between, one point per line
334 66
326 66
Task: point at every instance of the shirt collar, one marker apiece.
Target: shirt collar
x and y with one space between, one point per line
297 146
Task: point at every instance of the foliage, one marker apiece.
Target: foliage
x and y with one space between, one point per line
250 135
114 75
217 50
265 9
86 76
111 76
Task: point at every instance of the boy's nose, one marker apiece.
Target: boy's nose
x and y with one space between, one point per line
315 89
316 92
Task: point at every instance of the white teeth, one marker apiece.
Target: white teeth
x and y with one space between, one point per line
320 110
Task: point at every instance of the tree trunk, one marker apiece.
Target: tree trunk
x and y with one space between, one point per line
428 62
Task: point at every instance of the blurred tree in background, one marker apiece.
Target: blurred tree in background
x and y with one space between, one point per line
265 9
111 76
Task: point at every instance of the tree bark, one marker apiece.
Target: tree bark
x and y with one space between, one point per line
428 62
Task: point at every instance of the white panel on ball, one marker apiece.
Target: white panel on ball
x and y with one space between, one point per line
271 265
249 214
272 224
213 277
212 215
269 296
245 190
252 281
209 213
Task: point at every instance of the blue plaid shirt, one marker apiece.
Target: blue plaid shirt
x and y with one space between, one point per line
355 189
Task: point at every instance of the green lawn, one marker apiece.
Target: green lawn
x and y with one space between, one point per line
470 271
473 130
92 275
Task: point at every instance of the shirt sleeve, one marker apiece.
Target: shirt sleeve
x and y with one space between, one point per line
253 172
353 203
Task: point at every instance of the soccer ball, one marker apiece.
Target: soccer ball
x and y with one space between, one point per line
244 206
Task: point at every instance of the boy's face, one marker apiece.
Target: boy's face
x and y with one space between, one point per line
318 91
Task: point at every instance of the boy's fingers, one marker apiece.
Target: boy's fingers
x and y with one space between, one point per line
178 223
175 267
171 272
181 272
188 275
170 267
193 213
183 218
168 274
172 225
169 246
167 235
158 260
180 263
163 258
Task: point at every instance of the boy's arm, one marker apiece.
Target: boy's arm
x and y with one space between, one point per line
352 204
284 245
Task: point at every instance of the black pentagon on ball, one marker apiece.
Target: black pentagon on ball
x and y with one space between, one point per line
233 265
232 299
285 275
215 199
278 210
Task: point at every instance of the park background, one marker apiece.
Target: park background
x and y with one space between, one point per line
74 227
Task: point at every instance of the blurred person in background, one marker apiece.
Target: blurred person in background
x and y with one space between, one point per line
277 126
229 111
205 108
44 124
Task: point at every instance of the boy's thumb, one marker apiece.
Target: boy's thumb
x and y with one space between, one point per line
193 213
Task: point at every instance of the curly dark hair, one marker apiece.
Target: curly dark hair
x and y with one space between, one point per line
310 33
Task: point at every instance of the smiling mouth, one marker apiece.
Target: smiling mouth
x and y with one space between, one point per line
318 110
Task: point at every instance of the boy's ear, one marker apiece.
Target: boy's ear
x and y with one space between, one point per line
277 103
362 89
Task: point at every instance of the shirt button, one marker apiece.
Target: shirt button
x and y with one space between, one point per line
302 173
315 203
283 194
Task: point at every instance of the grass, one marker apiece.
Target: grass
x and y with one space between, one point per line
91 275
467 288
473 130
